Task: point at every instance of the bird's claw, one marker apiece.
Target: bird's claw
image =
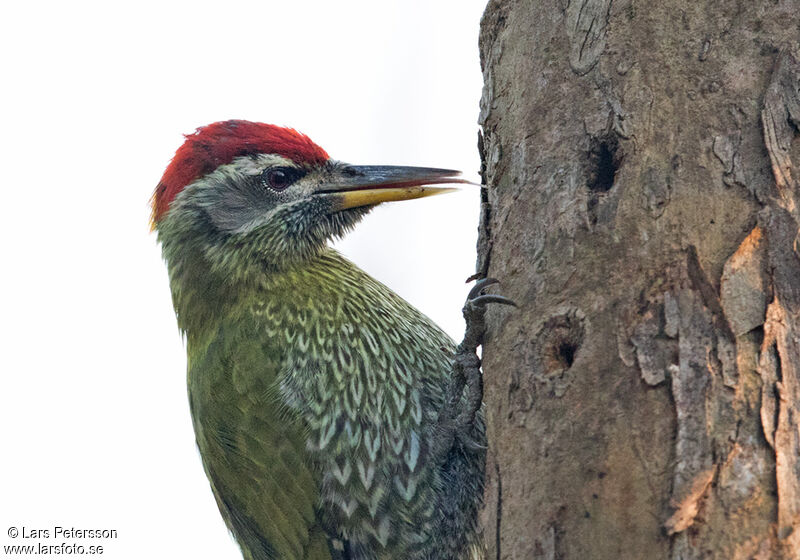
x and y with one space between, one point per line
492 298
464 395
477 289
472 444
476 299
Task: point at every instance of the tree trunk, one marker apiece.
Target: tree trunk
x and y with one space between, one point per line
642 164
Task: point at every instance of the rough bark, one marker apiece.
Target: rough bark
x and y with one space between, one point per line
642 164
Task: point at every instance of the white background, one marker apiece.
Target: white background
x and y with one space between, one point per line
94 97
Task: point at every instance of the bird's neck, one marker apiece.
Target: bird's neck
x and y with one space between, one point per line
204 294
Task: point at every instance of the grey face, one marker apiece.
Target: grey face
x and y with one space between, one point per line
243 194
265 205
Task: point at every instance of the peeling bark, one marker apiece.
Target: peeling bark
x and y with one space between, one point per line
780 351
641 177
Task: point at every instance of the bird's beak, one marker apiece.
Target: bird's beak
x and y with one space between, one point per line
367 185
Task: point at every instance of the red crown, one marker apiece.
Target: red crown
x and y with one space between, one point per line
222 142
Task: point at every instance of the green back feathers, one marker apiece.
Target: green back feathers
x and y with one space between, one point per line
313 398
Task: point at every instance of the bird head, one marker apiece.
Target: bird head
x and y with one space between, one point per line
271 194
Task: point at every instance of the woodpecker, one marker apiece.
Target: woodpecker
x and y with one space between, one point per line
334 420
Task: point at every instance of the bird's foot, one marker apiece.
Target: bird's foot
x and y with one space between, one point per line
464 395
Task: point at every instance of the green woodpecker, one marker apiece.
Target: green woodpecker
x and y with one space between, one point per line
334 420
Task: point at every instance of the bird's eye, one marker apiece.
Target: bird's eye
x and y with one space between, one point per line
279 178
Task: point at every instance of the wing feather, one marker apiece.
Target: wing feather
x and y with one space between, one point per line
253 449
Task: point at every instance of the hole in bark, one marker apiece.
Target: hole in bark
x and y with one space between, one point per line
567 352
560 340
794 124
604 160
